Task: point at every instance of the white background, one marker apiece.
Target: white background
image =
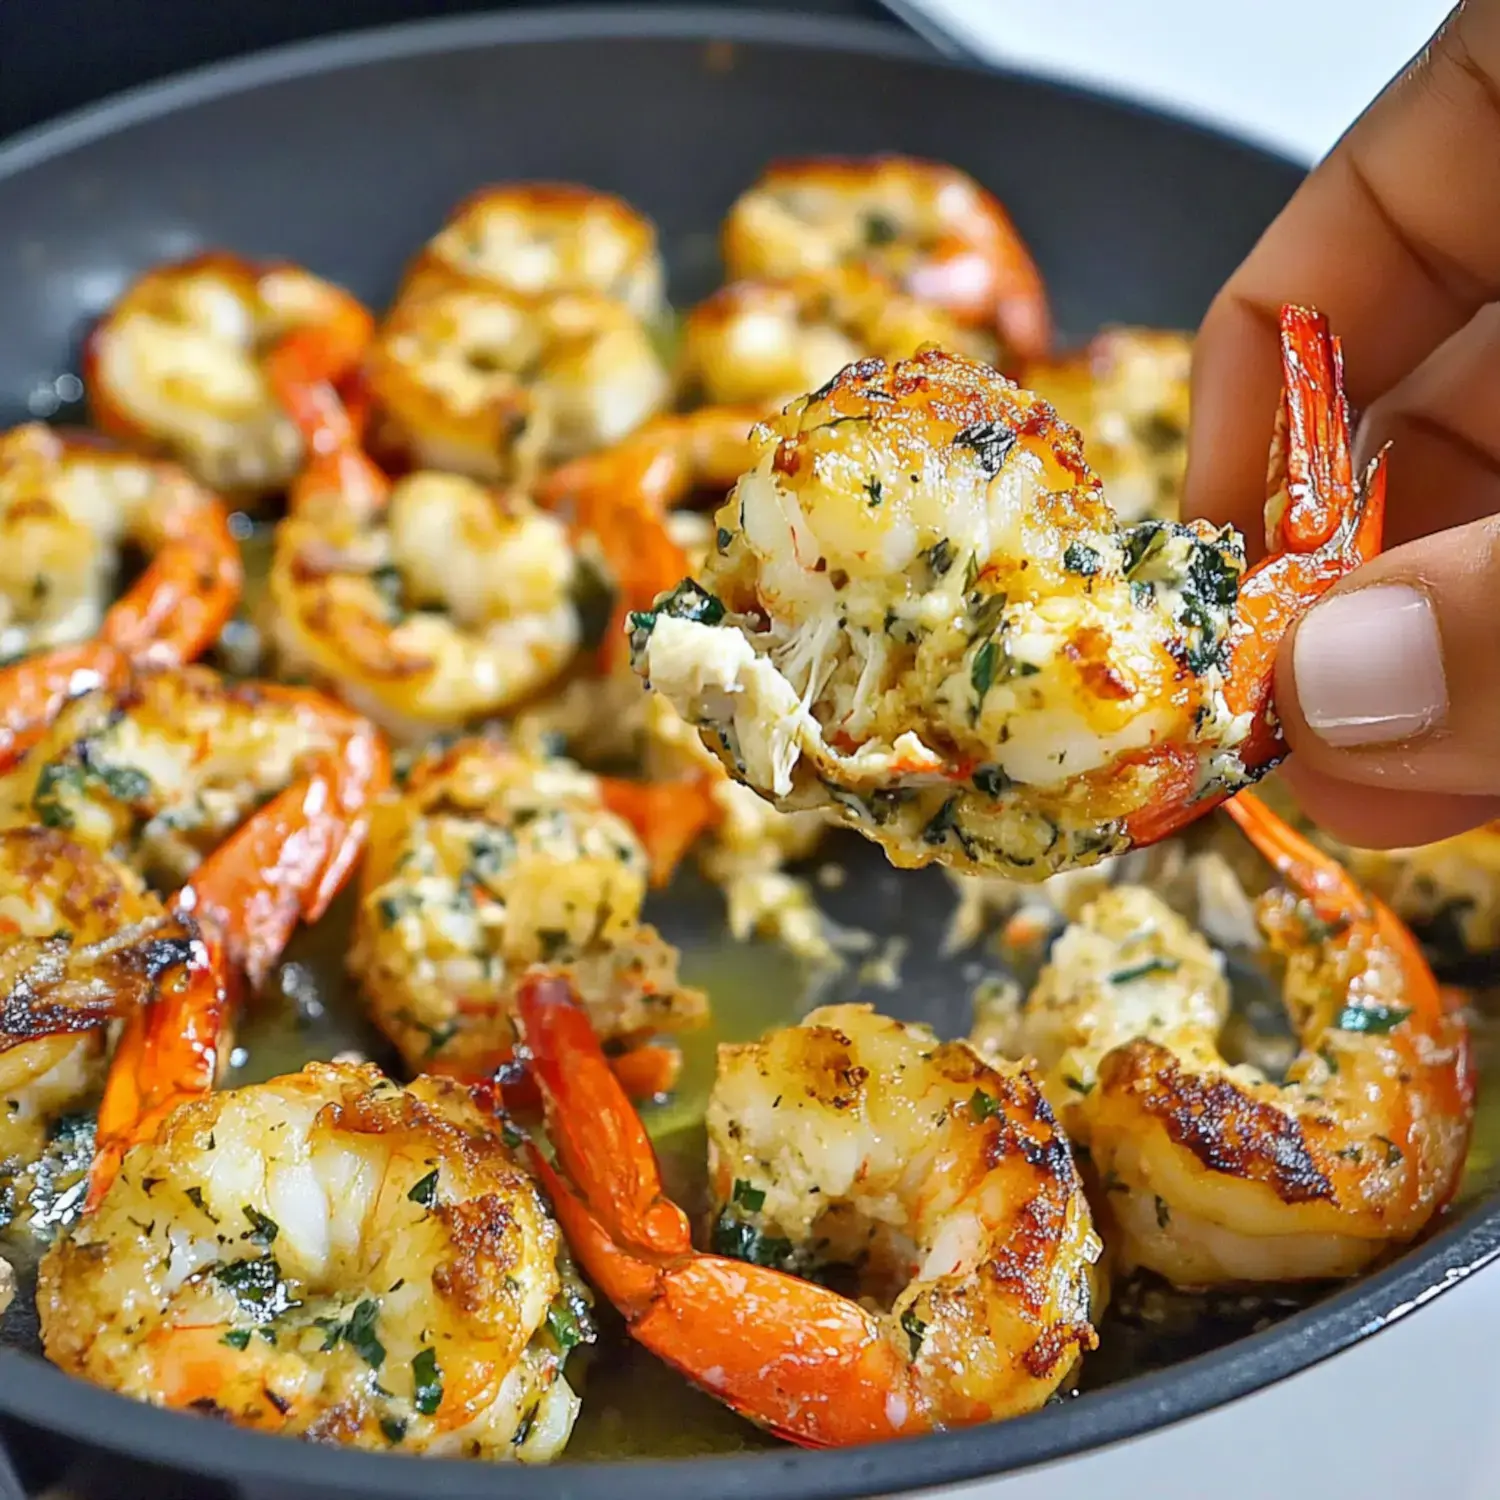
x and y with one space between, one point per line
1415 1411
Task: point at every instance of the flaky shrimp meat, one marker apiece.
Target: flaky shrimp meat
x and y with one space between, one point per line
332 1256
922 614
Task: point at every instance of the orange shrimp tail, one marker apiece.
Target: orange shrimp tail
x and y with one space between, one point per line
1322 524
1336 896
168 1053
599 1138
668 816
303 370
645 1073
33 691
290 858
788 1354
178 606
645 562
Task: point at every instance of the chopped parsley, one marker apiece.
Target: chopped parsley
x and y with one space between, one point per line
733 1237
392 1429
725 536
1373 1019
358 1333
880 229
991 443
426 1382
1079 1086
939 557
563 1325
875 490
1163 1214
983 1105
914 1328
748 1196
257 1285
1144 970
386 581
425 1191
982 672
941 823
236 1338
263 1230
1082 559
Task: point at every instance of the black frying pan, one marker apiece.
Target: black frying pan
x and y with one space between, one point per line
344 155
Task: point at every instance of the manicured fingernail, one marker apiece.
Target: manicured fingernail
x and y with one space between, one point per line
1369 666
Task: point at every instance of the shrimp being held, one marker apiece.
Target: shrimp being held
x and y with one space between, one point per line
333 1256
1214 1173
928 226
178 365
953 1173
491 861
922 615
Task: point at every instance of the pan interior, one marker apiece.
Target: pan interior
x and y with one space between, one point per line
1133 219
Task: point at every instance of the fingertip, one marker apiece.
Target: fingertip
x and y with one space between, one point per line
1235 389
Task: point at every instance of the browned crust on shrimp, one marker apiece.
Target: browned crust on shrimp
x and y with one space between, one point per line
1225 1128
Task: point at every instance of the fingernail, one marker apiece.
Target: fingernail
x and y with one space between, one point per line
1369 666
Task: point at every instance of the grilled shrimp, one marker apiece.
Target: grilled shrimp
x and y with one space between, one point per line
82 942
1448 891
930 227
69 505
177 366
473 379
360 564
253 793
766 342
544 239
488 862
1213 1173
333 1256
921 613
1127 392
851 1137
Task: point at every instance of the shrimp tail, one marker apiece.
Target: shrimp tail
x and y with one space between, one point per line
667 816
178 606
1321 524
33 691
785 1353
287 861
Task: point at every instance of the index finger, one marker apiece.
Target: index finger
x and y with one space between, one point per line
1394 236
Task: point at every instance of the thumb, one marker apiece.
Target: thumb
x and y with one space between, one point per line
1389 693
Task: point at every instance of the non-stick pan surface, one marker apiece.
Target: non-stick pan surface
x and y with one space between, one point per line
344 155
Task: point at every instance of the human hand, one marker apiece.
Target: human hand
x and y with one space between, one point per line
1389 689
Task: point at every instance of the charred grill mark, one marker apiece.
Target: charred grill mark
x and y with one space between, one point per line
1226 1129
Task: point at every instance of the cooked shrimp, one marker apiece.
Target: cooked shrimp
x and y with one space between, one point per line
333 1256
766 342
922 614
69 505
916 1159
476 380
545 239
1215 1173
177 366
1127 392
254 793
360 564
82 942
931 227
1448 891
491 861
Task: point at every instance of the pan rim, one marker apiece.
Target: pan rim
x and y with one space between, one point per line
35 1392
